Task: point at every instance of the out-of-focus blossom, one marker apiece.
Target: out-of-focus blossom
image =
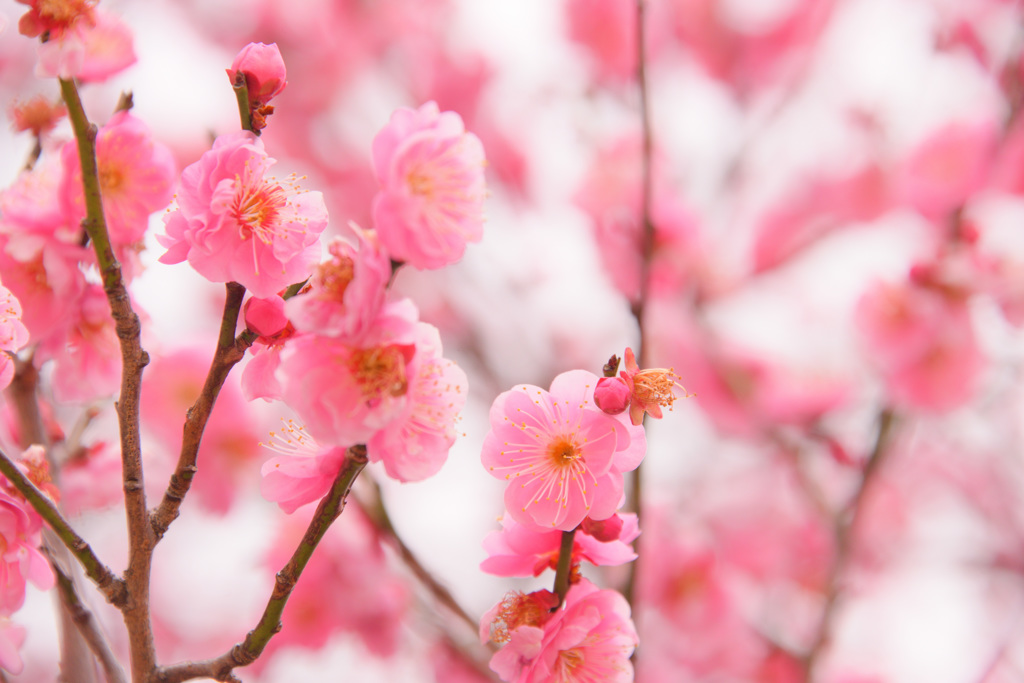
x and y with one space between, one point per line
647 390
38 115
136 174
82 42
431 177
13 333
563 458
606 29
519 550
12 637
20 559
235 224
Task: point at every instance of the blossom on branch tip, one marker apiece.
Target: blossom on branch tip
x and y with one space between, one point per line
563 458
263 69
431 177
235 224
642 391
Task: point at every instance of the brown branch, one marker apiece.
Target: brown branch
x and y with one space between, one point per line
245 653
133 359
87 625
563 572
228 353
845 525
112 587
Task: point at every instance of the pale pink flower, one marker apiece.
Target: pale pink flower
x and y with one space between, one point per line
948 167
519 550
590 639
234 224
90 50
136 174
88 355
13 333
562 457
302 472
263 69
346 291
91 480
431 177
415 444
345 393
12 637
20 559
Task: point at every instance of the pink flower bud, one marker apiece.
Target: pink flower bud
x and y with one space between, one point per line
605 530
612 395
264 71
265 317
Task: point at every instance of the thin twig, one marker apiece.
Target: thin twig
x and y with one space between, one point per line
378 515
845 525
112 587
245 653
133 360
563 571
228 353
88 626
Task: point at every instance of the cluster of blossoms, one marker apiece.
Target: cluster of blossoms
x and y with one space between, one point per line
563 453
356 364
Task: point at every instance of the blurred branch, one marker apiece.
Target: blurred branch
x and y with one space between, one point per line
133 359
378 515
87 625
245 653
228 353
112 587
845 525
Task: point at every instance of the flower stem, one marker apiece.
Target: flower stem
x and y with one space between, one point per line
563 571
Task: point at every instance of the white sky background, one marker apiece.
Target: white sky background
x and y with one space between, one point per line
877 51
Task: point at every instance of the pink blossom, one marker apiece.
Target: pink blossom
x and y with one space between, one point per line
39 114
136 174
346 291
13 333
88 354
90 50
304 470
345 393
612 395
12 637
649 389
415 444
563 458
263 69
431 177
233 224
948 167
607 30
590 639
266 316
519 550
20 559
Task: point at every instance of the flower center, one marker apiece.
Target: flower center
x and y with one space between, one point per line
380 371
420 183
521 609
256 208
569 661
562 451
111 178
333 277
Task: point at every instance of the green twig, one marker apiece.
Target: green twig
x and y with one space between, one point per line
245 653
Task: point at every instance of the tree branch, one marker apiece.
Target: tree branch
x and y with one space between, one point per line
228 353
87 626
245 653
112 587
133 360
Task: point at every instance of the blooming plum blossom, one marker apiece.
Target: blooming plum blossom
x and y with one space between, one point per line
12 637
647 390
136 175
346 291
590 639
235 224
415 444
82 41
562 457
519 550
345 393
431 177
302 472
